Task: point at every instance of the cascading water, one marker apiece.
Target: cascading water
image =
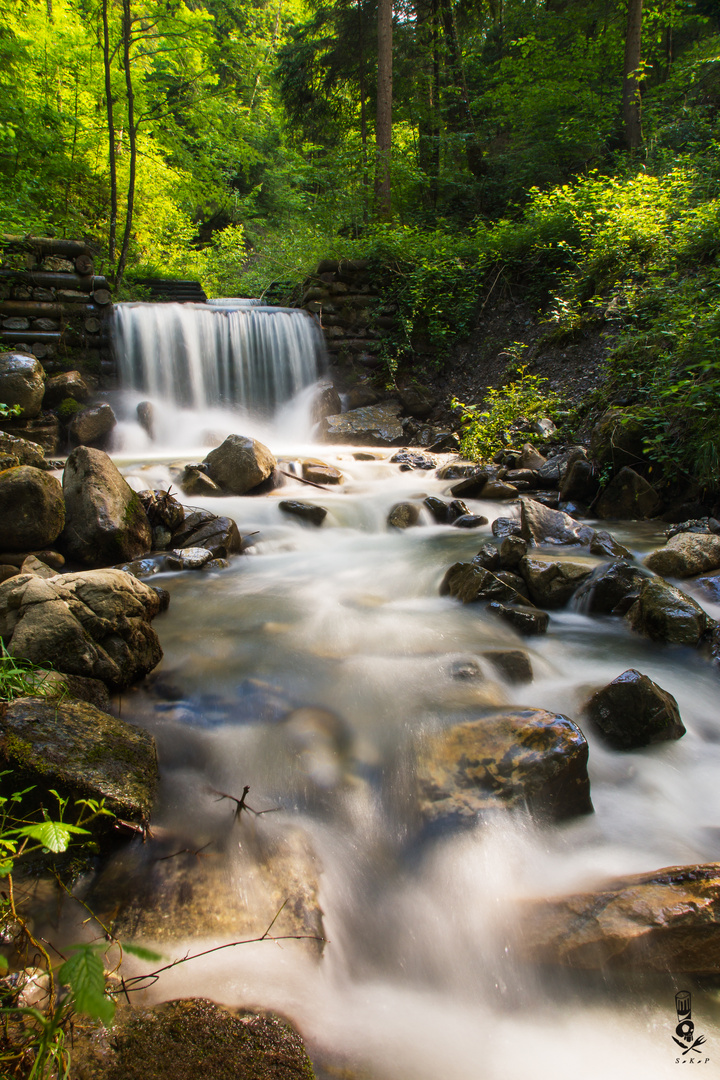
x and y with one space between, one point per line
194 361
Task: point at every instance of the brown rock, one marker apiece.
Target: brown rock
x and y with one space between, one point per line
92 427
633 711
32 508
628 496
240 464
685 555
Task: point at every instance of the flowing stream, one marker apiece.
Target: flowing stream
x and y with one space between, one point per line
308 670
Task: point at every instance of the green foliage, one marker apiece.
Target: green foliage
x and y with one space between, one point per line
493 426
7 411
22 678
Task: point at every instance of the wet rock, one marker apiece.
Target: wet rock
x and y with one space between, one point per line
664 921
403 515
105 522
412 459
523 479
664 613
579 482
512 664
32 508
488 556
196 482
526 619
470 582
240 464
611 589
456 509
67 384
469 521
188 1039
146 417
604 543
325 403
503 526
552 582
471 486
617 440
527 759
633 711
92 427
22 383
541 525
456 470
628 496
709 586
512 549
553 472
81 752
320 473
437 508
95 624
162 508
531 458
498 489
373 425
219 535
315 515
685 555
189 558
164 899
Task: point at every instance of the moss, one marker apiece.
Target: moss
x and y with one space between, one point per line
67 409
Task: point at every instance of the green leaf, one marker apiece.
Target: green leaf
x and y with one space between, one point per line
141 952
3 963
85 975
53 835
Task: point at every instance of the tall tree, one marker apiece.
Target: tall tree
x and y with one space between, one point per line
631 82
383 124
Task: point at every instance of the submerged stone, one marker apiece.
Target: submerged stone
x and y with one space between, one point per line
633 711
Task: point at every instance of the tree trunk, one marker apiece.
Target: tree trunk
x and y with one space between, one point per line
111 134
132 135
631 84
363 113
428 125
383 127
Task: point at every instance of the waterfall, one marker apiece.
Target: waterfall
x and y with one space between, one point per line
229 353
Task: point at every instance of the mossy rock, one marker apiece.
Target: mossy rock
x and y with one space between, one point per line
182 1040
79 751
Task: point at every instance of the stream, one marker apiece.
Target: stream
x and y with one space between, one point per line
308 670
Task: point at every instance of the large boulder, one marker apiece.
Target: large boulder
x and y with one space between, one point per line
617 440
32 509
25 453
664 921
105 522
326 402
553 471
194 1037
67 384
541 525
240 464
22 383
628 496
80 752
611 589
525 759
664 613
375 425
404 515
93 426
95 623
685 555
470 582
201 529
551 582
633 711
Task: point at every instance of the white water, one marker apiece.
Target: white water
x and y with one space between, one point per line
420 978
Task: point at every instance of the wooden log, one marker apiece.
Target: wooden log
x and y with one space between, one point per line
49 280
93 325
48 244
102 296
28 336
84 265
41 351
31 309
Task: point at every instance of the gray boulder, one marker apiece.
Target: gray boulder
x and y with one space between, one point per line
79 751
470 582
25 452
617 440
375 425
105 522
403 515
685 555
32 509
633 711
67 384
541 525
325 403
22 383
240 464
92 427
611 589
527 759
664 613
95 624
315 515
220 535
523 618
552 582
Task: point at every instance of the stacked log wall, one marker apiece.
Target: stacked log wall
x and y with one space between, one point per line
53 305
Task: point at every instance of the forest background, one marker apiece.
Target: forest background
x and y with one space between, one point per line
564 152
